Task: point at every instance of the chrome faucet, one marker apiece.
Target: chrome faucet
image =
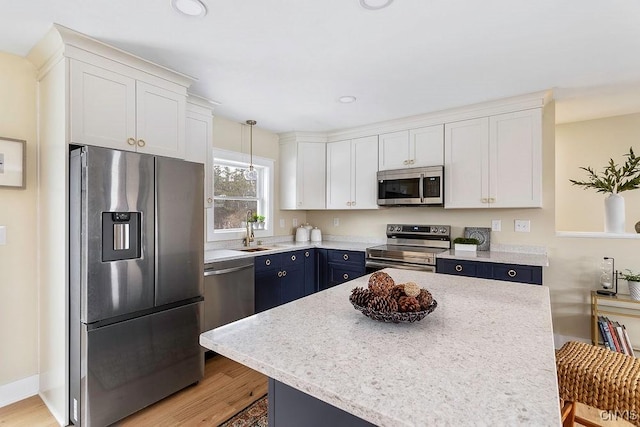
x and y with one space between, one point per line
249 238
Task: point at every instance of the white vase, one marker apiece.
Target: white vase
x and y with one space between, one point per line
614 213
634 290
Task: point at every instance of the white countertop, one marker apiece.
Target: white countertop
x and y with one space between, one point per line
485 356
537 260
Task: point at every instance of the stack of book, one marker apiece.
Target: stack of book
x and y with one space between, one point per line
614 335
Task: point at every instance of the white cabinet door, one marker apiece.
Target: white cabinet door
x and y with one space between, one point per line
160 121
339 175
515 161
426 146
102 105
198 146
466 163
310 175
364 167
394 150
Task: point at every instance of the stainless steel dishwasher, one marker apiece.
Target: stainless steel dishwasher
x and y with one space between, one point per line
228 292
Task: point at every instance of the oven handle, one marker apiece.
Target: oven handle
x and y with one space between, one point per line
421 188
381 265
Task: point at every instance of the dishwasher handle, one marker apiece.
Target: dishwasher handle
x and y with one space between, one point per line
226 270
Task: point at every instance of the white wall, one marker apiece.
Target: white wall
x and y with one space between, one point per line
18 286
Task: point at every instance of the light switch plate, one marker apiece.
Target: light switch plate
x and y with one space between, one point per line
336 222
3 234
496 225
522 225
294 222
281 222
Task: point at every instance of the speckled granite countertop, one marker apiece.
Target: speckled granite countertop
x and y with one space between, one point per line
485 356
538 260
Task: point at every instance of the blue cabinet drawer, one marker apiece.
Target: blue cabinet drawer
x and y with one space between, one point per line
292 259
518 273
338 274
348 257
462 268
267 262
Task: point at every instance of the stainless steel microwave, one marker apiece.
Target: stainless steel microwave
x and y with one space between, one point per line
411 187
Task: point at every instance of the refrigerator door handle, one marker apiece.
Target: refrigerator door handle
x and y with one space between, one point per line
226 270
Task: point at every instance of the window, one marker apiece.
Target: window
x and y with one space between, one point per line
234 196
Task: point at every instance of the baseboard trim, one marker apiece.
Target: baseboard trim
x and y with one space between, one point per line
18 390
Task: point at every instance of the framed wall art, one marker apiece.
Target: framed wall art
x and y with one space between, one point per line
12 163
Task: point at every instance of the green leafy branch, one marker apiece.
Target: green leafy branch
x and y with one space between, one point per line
614 179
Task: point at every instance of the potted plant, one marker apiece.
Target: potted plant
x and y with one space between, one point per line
634 283
614 180
260 220
468 244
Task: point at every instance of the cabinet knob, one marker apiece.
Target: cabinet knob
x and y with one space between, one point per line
512 273
279 273
306 254
348 203
458 268
345 276
353 203
406 162
484 200
131 141
299 203
267 262
293 257
492 200
345 257
141 143
209 200
412 161
284 273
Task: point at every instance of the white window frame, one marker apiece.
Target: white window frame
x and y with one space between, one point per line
242 159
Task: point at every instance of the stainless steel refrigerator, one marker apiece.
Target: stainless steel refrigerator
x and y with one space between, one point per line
136 281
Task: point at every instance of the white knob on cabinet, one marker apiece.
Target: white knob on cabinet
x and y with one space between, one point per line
141 143
131 141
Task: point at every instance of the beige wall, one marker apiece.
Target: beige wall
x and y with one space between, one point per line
18 287
593 143
234 136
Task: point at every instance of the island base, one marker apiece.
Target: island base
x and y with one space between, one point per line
291 407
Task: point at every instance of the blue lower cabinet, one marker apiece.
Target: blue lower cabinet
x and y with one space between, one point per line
267 290
292 284
489 270
310 272
343 266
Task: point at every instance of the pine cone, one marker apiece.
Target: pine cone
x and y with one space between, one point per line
396 292
360 296
384 304
408 304
380 283
425 299
411 289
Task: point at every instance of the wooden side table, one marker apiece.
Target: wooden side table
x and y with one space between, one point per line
607 305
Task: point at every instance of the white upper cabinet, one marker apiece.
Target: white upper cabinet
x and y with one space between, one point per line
113 110
199 144
351 173
494 161
302 175
411 148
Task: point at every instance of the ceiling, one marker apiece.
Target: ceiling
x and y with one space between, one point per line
285 63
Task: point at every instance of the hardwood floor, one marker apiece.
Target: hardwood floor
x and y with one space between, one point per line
227 388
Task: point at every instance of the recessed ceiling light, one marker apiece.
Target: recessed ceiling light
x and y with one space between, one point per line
347 99
375 4
192 8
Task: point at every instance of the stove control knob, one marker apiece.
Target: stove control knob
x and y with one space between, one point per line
398 228
391 228
443 230
434 229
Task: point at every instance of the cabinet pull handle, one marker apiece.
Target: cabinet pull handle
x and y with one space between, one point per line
209 200
345 257
131 141
279 273
267 262
512 273
458 268
345 276
293 257
141 143
306 254
284 273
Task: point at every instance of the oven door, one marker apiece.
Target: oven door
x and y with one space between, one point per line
376 265
399 188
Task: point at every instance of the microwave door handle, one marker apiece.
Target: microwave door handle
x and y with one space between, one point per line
421 188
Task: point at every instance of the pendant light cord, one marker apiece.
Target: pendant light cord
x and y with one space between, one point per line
251 123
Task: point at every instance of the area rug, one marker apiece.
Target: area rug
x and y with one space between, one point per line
254 415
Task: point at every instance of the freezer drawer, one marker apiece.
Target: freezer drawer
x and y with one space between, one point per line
129 365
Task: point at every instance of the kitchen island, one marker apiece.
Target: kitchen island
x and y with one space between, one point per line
485 356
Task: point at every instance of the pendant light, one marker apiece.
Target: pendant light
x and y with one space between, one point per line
251 174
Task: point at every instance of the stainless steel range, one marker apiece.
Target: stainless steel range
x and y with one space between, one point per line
410 247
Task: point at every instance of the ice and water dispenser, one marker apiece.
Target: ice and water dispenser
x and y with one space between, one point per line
121 236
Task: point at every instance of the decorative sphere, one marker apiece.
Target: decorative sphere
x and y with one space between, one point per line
638 227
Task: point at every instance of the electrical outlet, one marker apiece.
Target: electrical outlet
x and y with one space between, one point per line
3 234
522 225
281 222
496 225
295 222
336 222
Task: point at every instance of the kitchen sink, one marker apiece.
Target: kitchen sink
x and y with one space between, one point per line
256 249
